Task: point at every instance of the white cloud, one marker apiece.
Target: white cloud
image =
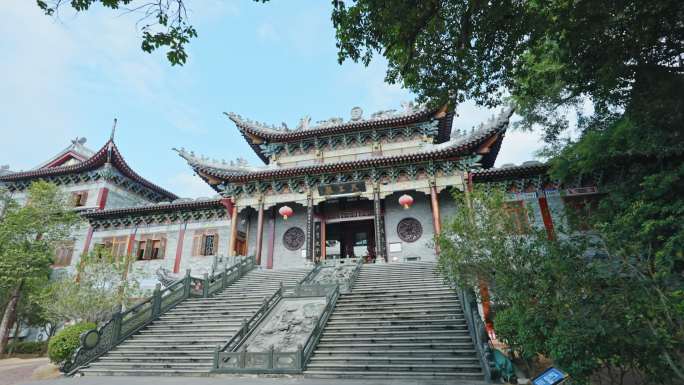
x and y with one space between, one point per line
189 185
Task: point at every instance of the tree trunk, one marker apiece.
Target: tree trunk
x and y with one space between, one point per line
9 316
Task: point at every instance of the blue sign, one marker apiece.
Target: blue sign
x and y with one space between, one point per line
550 376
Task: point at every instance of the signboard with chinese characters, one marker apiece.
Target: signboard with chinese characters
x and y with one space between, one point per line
550 376
341 188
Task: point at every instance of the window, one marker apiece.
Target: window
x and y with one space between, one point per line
208 246
63 254
79 199
151 247
205 242
114 245
518 214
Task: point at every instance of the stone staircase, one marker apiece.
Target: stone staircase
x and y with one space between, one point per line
182 340
399 321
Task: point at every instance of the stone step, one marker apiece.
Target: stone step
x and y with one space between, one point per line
199 317
203 359
130 353
393 360
369 354
180 325
145 372
368 294
214 304
178 338
384 313
348 300
243 312
427 346
198 332
391 318
372 367
381 306
167 343
394 333
472 376
153 365
394 322
400 289
400 339
406 328
399 278
127 346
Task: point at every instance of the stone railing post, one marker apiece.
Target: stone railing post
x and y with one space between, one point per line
217 356
205 286
243 357
186 284
156 301
224 280
300 357
116 319
271 359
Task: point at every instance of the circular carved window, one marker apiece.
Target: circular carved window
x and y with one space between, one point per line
293 239
409 229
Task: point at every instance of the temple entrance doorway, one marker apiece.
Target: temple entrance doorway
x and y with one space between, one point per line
350 239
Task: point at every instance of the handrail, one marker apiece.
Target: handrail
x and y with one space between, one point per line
98 341
309 276
478 333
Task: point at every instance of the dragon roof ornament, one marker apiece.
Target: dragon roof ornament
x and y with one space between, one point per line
408 109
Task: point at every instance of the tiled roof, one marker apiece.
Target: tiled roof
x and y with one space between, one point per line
251 130
163 207
507 172
96 161
459 146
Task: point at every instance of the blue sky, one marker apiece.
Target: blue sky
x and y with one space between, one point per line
273 63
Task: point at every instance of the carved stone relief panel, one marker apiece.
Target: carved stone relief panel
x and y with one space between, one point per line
409 229
294 238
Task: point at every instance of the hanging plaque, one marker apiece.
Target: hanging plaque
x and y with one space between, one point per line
341 188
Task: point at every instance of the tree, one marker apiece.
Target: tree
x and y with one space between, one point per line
98 293
557 297
28 235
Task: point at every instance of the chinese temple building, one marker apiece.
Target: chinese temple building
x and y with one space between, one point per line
376 187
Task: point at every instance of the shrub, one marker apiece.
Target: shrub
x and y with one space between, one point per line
66 341
27 347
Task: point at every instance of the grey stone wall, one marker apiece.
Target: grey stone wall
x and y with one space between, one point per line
423 248
282 257
118 197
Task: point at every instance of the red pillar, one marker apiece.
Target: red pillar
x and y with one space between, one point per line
179 249
102 198
260 233
546 216
89 237
271 241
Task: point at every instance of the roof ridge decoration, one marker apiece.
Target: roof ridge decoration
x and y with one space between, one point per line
408 109
239 165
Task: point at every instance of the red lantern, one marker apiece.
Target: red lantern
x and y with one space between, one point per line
406 201
285 211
